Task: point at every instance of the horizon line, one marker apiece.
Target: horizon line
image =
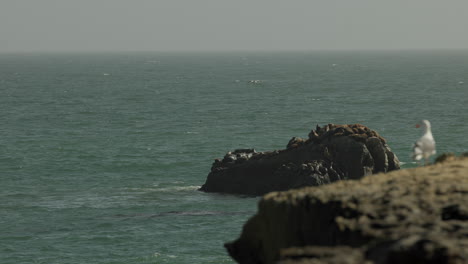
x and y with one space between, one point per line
202 51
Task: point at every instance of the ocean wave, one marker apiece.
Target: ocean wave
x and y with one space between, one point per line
167 189
178 188
186 213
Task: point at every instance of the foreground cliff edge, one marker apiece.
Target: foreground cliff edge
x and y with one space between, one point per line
331 153
415 215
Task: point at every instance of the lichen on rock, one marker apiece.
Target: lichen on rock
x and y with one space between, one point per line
415 215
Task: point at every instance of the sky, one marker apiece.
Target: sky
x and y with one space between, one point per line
218 25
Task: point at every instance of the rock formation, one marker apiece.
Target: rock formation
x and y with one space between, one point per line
415 215
332 153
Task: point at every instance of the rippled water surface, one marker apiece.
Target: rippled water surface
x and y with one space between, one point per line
101 155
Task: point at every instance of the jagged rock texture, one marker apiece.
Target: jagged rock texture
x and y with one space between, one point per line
332 153
409 216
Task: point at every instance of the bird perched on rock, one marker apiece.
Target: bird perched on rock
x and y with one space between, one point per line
424 148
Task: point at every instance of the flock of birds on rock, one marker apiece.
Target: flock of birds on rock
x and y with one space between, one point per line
424 147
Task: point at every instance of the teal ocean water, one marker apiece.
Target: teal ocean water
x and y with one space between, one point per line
101 155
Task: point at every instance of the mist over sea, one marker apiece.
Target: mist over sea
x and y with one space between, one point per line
101 154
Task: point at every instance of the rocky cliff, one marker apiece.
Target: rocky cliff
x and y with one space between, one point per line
331 153
408 216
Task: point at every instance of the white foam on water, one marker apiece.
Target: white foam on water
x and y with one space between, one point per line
177 189
166 189
402 163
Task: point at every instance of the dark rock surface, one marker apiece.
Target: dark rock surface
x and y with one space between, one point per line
415 215
332 153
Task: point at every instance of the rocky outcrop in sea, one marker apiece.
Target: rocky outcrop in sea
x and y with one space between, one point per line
415 215
331 153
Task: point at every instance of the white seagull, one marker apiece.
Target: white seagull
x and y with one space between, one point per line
425 146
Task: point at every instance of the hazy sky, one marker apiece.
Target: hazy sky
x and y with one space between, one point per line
127 25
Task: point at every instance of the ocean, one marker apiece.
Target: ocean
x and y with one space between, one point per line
101 154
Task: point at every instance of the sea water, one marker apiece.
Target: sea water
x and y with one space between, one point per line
101 155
